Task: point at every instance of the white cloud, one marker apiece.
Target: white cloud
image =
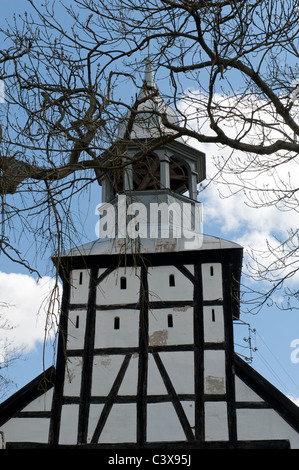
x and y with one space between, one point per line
235 204
27 303
259 230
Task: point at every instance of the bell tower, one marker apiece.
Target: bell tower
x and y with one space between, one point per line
152 158
156 171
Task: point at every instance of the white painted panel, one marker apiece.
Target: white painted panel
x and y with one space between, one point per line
130 380
212 281
69 424
163 423
155 384
264 424
73 373
216 426
42 403
244 393
159 288
79 292
214 371
213 324
180 333
76 329
189 409
120 425
180 368
94 416
26 430
105 370
110 291
106 336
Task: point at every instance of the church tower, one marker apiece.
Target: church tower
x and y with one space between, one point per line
146 356
149 319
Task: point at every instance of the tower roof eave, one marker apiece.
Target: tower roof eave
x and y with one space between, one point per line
116 246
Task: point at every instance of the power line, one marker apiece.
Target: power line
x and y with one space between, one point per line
275 373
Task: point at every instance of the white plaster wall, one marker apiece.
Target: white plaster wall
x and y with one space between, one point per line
155 383
69 424
121 424
180 368
212 281
244 393
76 335
104 372
79 292
214 371
180 333
109 291
94 416
159 288
216 426
42 403
26 430
73 373
163 423
213 324
126 336
30 429
264 424
189 409
130 380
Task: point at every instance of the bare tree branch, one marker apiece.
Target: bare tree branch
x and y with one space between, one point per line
70 74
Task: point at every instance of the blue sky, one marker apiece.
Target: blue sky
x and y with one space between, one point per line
230 218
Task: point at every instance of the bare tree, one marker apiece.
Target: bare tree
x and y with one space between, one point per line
230 67
9 353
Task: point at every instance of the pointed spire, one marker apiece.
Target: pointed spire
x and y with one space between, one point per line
149 79
148 122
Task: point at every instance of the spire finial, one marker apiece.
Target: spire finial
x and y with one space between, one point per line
149 73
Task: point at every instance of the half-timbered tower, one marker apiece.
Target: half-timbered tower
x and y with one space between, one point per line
146 357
